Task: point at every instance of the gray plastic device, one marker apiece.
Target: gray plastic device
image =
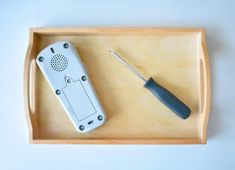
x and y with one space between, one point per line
67 76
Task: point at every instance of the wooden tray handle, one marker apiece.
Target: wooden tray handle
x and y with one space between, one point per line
205 89
205 80
28 112
28 87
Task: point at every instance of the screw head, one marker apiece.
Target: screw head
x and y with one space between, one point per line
66 45
100 117
68 80
84 78
58 92
41 59
81 127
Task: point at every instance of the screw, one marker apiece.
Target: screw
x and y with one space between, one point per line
84 78
68 81
41 59
81 127
58 92
66 45
100 117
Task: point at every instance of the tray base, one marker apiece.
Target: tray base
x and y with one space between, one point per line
133 113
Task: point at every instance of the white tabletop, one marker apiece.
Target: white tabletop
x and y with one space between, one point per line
217 17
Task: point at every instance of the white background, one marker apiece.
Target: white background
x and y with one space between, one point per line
16 17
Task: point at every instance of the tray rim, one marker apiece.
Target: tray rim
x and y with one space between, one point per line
204 93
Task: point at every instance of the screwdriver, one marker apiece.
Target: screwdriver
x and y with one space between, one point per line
164 95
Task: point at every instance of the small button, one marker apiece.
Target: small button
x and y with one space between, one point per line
90 122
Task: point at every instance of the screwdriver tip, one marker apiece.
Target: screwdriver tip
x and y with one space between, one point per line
111 51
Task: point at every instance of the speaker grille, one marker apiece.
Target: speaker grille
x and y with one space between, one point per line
59 62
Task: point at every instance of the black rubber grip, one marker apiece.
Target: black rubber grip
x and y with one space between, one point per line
170 100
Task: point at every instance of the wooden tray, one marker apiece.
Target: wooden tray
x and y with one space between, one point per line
176 58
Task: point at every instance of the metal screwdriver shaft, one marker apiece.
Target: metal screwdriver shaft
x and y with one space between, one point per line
127 65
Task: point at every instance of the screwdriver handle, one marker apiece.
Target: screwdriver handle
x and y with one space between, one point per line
166 97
